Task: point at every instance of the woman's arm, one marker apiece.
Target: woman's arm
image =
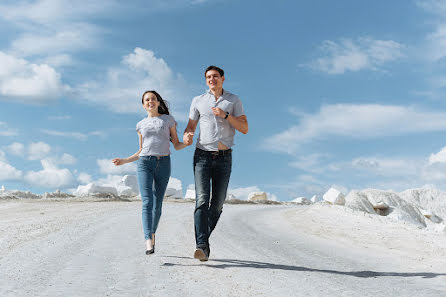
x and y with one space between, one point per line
174 138
132 158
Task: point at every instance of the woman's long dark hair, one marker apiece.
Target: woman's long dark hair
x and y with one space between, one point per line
163 108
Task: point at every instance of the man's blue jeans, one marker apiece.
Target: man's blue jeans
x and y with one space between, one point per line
210 168
153 176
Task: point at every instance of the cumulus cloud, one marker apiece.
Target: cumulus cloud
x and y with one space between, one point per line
355 55
439 157
8 172
38 150
50 176
29 83
123 86
84 178
107 167
16 148
367 121
64 159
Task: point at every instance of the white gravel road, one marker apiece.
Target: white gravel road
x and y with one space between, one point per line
61 248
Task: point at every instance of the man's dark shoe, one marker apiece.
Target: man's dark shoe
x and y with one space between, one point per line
202 253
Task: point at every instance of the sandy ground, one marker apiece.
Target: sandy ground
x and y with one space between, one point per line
61 248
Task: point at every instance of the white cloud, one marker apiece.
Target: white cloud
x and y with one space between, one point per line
38 150
47 12
386 167
50 176
84 178
434 48
107 167
309 163
433 6
123 86
112 180
8 172
6 131
57 44
439 157
58 60
366 121
64 159
29 83
75 135
16 148
355 55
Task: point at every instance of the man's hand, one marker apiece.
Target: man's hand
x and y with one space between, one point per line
188 138
218 112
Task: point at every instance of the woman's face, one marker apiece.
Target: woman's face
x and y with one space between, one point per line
150 102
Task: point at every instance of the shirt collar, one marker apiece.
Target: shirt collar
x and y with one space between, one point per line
222 92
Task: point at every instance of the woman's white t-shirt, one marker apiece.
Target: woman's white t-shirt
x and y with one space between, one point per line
155 133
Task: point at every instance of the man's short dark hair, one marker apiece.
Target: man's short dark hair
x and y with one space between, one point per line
212 67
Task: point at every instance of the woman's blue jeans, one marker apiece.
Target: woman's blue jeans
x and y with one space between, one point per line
153 176
212 171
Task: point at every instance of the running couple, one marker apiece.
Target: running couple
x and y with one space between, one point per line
219 114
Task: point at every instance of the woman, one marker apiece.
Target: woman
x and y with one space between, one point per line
155 133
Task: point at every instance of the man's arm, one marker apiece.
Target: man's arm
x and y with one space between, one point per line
188 136
239 123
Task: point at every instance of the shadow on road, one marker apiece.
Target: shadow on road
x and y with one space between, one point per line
233 263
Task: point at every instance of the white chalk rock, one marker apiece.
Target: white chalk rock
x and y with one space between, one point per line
358 201
57 194
3 188
92 189
190 194
397 209
334 196
231 197
19 194
128 181
126 191
427 197
301 200
174 189
430 215
257 196
315 199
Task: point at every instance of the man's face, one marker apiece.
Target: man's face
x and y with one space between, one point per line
214 80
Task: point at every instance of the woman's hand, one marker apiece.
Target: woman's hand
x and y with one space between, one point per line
188 138
118 161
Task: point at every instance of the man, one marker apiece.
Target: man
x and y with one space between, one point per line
219 113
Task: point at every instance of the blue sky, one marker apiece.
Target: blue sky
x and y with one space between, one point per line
337 93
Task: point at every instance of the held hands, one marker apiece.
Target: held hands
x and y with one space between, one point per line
188 138
218 112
